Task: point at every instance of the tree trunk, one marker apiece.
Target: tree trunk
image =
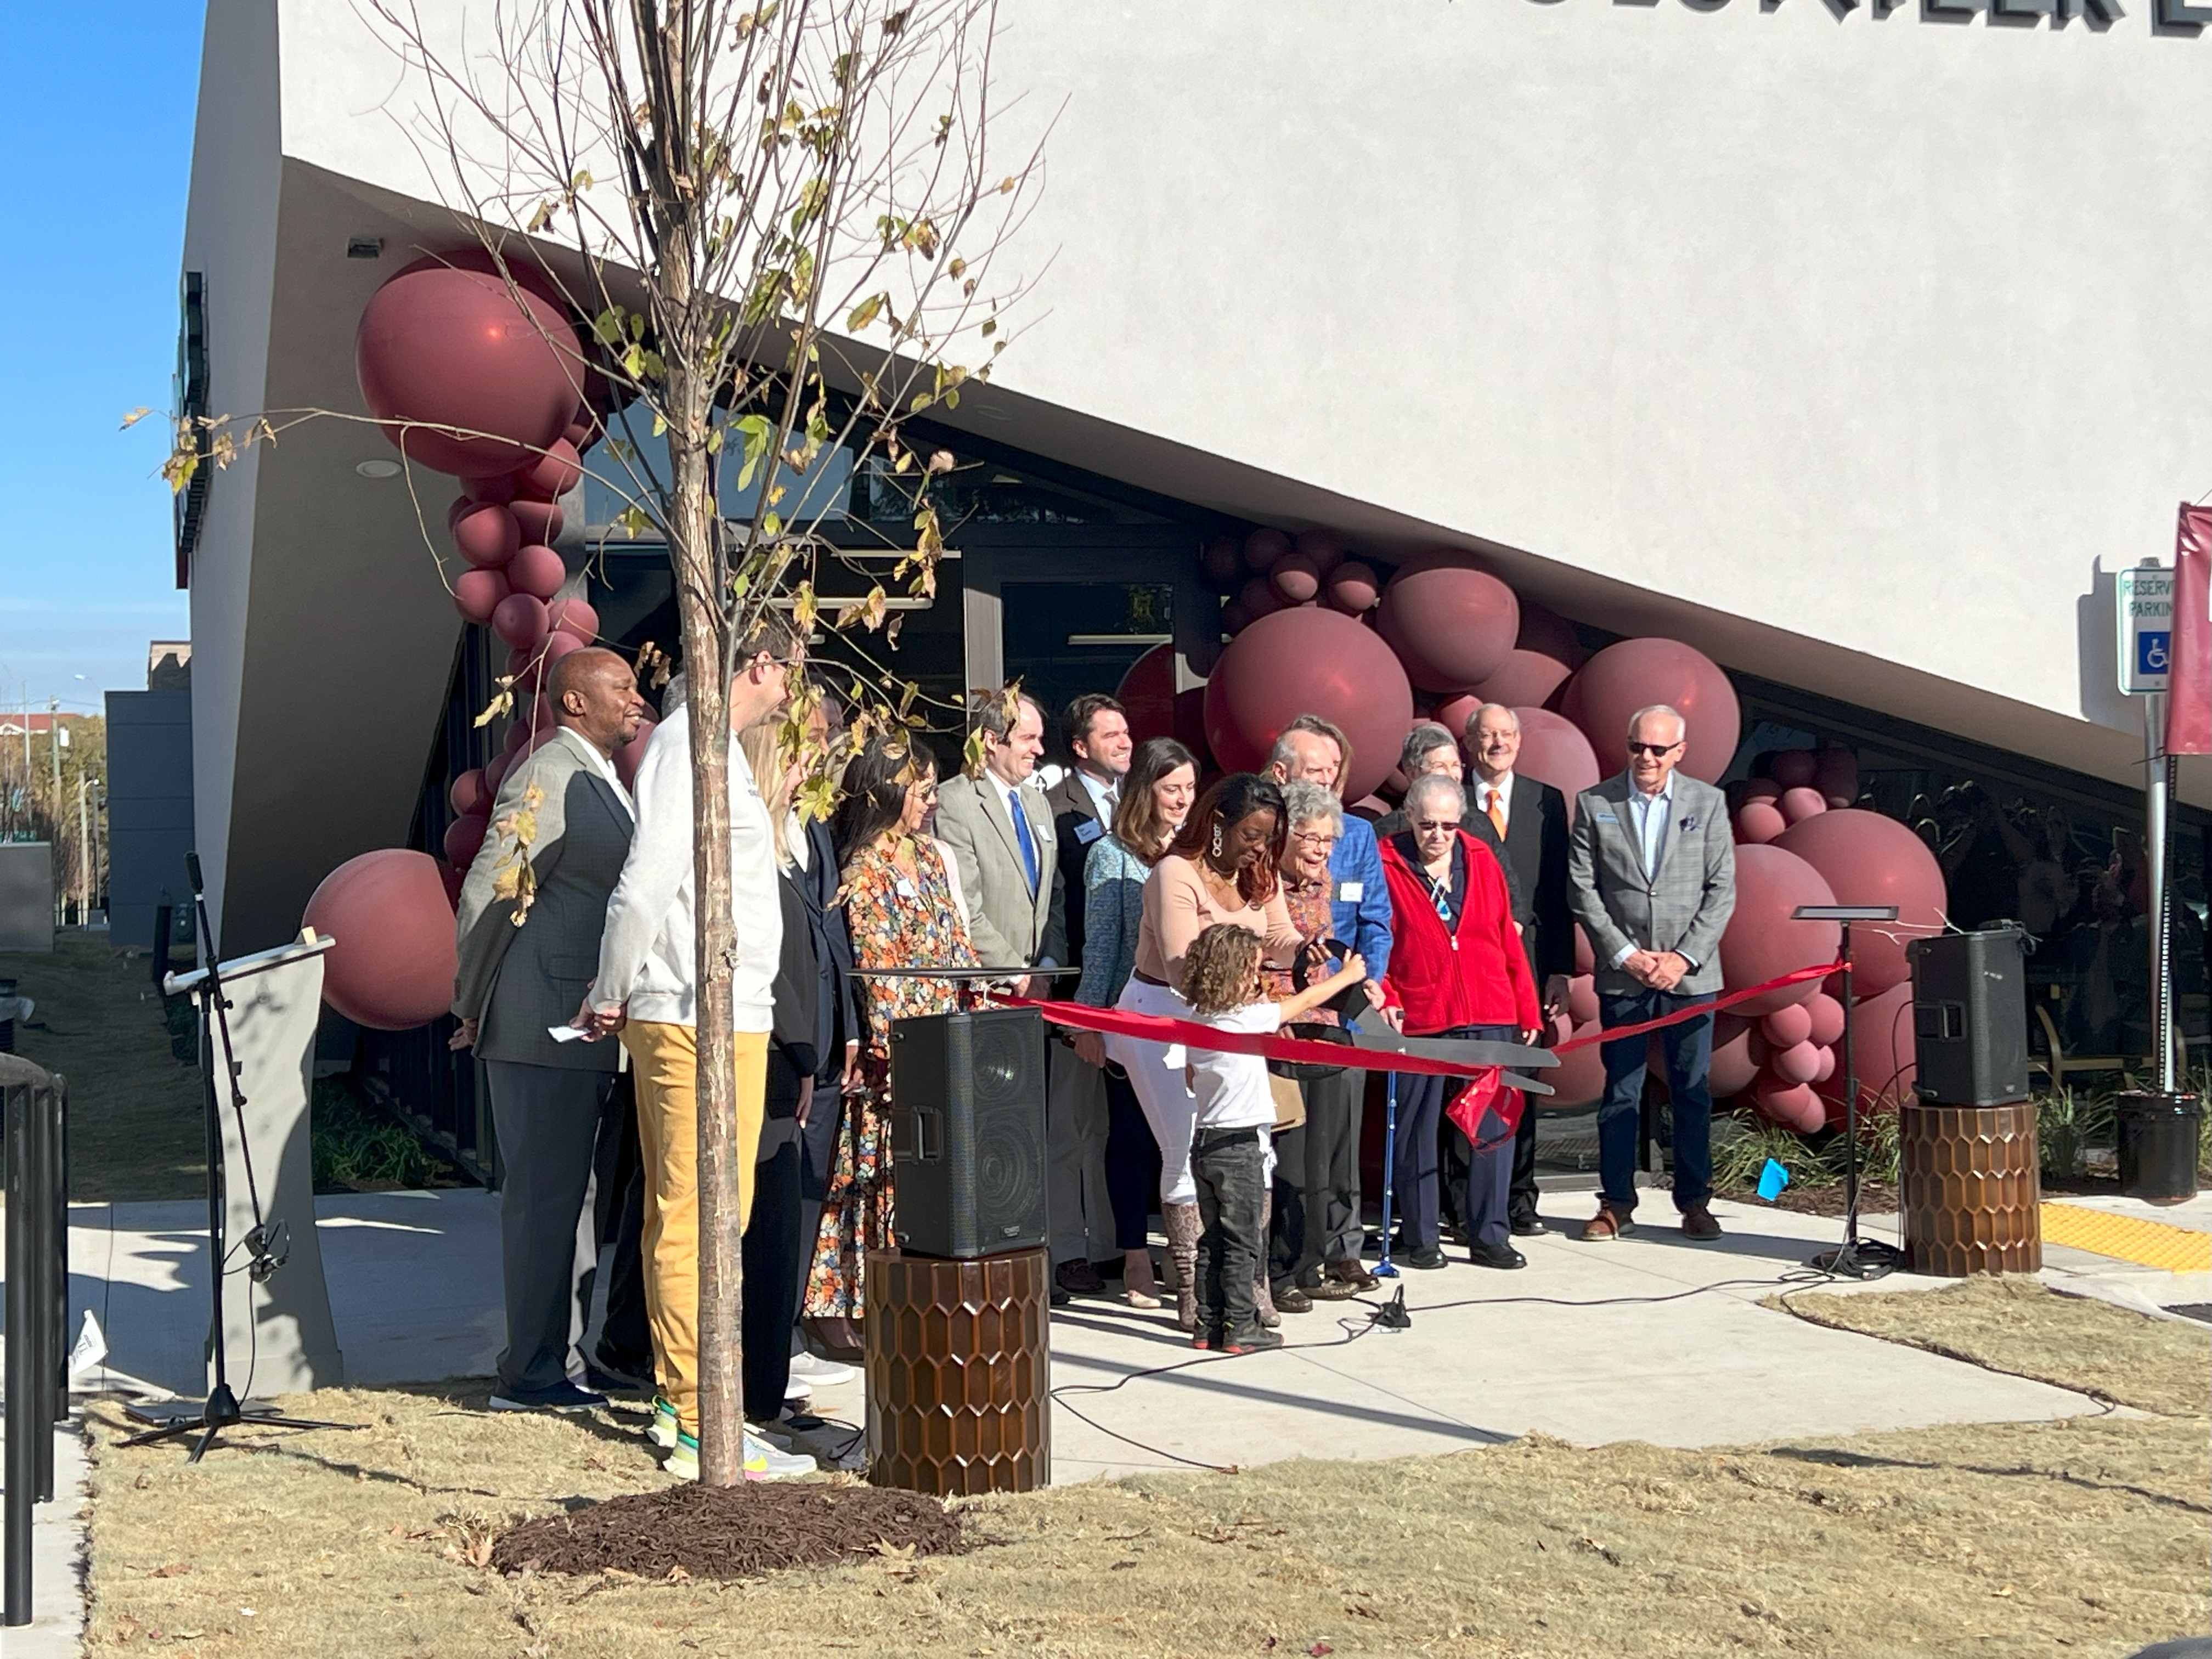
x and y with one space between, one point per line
692 527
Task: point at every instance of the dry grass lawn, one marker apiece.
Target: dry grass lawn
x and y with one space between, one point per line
2015 1324
135 1127
2089 1537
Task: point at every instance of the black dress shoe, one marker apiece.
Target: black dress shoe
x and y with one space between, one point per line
1428 1257
1079 1277
1529 1226
1496 1256
1059 1298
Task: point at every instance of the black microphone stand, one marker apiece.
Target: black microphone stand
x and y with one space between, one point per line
1855 1257
266 1251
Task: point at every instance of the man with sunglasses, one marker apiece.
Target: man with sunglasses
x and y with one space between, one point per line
1651 870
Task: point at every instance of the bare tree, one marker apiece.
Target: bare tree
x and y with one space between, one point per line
776 220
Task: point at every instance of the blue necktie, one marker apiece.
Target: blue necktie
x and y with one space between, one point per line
1023 835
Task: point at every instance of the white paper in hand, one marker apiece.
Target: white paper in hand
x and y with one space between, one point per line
565 1034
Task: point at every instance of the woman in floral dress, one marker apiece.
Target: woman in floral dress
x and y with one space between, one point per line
904 911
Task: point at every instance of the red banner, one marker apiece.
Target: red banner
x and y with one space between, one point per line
2189 677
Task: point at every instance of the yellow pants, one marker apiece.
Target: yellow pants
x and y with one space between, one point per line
666 1059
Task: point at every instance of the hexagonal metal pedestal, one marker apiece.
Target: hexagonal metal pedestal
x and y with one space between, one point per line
959 1363
1971 1188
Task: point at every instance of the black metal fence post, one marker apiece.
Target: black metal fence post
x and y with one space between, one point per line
38 1308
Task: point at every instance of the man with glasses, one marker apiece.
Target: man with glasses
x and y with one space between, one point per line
1651 870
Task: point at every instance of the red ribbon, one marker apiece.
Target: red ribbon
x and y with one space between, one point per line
1729 1000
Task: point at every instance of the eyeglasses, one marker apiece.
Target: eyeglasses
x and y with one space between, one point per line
926 791
1654 749
1433 826
1313 838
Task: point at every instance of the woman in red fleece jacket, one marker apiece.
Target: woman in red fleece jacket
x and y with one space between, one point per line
1457 969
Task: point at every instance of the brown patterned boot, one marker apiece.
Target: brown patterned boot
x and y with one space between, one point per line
1183 1228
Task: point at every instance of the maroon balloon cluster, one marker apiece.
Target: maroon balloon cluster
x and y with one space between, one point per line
475 371
1314 630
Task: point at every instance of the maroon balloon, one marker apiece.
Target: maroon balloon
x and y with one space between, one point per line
526 668
1234 618
1324 547
1734 1067
1761 789
1826 1018
1450 625
627 757
1882 1046
463 836
1295 579
1156 708
549 477
1827 1066
495 774
1308 660
1634 674
453 880
1525 679
1581 999
1548 633
521 621
1868 859
1353 587
1791 768
1757 822
461 504
541 521
1579 1078
557 645
1800 804
1453 713
1262 548
573 617
1836 775
1552 751
507 267
497 488
1785 1028
1793 1105
1258 599
461 350
1800 1063
1222 564
1585 959
467 794
487 536
537 571
393 963
478 594
1760 941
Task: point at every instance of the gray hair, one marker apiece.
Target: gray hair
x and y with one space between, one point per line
1305 803
1682 725
1485 709
1424 739
1433 783
994 714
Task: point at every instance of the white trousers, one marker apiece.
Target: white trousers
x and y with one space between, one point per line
1166 1098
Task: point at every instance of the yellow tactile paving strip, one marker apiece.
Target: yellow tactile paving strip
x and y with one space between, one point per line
2128 1238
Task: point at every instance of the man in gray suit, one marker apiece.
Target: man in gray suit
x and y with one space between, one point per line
1652 872
521 975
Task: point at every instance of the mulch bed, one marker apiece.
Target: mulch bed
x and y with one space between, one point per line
1875 1198
734 1532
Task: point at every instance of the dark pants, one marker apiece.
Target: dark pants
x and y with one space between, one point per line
1415 1187
1133 1163
817 1149
1291 1231
1228 1166
625 1342
1689 1049
1333 1110
1522 1193
547 1118
772 1245
1477 1182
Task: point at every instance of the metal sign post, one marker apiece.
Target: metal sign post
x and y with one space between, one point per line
2143 609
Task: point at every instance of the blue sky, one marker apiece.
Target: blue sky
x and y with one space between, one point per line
100 119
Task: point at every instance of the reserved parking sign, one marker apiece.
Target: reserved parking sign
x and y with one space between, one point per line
2143 607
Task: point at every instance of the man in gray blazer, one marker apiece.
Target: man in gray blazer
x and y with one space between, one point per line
1651 874
522 974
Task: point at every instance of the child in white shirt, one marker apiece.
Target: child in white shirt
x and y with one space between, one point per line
1236 1113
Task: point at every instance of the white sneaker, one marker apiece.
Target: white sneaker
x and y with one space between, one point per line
762 1460
798 1391
820 1372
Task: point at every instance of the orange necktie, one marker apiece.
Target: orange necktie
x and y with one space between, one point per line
1496 817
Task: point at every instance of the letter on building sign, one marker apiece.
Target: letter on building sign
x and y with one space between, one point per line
2099 15
2177 17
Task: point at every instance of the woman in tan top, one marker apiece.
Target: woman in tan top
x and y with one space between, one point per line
1221 867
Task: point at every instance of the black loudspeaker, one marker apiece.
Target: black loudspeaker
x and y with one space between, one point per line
1970 1017
968 1132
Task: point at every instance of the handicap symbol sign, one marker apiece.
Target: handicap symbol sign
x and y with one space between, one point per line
2153 650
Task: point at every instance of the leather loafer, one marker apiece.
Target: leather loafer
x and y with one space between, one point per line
1292 1299
1608 1223
1529 1226
1427 1258
1079 1277
1496 1256
1697 1222
1353 1273
1326 1288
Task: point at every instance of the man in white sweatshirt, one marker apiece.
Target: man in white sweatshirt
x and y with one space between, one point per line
648 990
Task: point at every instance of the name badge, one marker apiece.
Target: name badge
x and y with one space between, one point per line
1606 818
1088 831
1349 892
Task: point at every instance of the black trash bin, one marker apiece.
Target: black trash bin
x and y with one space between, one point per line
2157 1136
